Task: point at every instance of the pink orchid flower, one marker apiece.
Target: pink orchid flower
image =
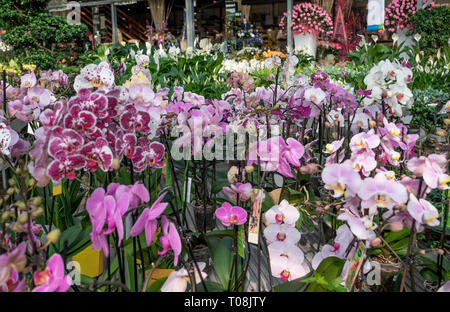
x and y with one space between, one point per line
28 81
148 155
104 210
66 140
170 239
283 213
15 259
287 261
432 168
381 192
338 248
230 215
422 211
98 155
243 190
361 227
282 233
65 166
148 220
177 280
342 179
52 279
13 284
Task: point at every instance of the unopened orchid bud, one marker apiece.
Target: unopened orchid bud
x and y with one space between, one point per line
249 169
31 182
53 236
115 164
375 242
19 171
441 133
36 201
422 251
372 124
319 210
447 121
327 124
335 135
17 228
37 212
440 251
231 175
396 226
10 191
5 216
20 205
23 218
276 106
11 182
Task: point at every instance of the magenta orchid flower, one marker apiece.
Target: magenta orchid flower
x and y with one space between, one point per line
105 210
244 191
281 233
422 211
148 155
95 102
65 166
170 239
132 120
283 213
342 179
231 215
148 220
52 279
66 140
98 155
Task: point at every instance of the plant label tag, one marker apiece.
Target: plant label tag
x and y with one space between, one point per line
29 129
57 188
187 190
253 224
355 266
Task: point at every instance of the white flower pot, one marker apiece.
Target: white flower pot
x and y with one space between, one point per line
306 42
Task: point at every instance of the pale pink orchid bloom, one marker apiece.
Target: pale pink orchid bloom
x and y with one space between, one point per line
281 233
283 213
292 151
342 179
177 280
13 284
231 215
338 248
422 211
287 261
148 220
361 227
52 279
28 80
243 190
364 141
15 259
380 192
332 147
170 239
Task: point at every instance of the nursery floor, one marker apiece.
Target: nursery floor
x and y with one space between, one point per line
310 245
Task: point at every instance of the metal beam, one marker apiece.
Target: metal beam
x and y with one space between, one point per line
189 23
289 29
114 22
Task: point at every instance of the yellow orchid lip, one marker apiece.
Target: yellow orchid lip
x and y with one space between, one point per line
381 200
338 189
96 82
329 148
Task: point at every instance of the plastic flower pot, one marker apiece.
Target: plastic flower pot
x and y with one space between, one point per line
201 254
306 42
387 271
204 218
